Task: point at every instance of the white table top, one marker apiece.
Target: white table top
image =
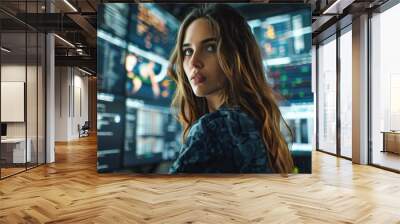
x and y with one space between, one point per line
13 140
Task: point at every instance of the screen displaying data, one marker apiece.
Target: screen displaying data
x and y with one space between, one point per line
136 128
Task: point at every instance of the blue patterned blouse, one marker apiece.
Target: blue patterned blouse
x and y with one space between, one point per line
225 141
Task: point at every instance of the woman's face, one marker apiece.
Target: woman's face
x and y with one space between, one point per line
200 61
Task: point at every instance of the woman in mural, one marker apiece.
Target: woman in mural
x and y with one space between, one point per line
231 120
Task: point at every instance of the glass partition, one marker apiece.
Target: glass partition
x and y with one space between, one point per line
13 108
22 89
327 96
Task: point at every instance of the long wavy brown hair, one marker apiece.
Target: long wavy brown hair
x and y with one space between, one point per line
240 59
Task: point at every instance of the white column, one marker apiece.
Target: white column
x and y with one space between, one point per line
360 90
50 110
50 92
314 91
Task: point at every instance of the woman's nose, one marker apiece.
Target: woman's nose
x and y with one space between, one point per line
196 60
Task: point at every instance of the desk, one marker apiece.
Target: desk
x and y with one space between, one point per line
16 147
391 141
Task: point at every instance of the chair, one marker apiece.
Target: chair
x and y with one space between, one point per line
84 130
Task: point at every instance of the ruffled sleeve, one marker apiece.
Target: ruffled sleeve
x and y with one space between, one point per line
197 154
227 141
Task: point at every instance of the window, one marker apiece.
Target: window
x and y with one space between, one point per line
385 89
346 93
327 96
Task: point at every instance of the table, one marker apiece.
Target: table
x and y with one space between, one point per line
391 141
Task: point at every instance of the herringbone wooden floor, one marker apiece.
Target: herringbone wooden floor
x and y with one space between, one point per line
71 191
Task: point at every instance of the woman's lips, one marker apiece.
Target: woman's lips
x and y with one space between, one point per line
198 79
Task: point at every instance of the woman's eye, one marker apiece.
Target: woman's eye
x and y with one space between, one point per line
211 48
187 52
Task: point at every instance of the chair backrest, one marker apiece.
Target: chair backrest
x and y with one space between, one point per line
86 125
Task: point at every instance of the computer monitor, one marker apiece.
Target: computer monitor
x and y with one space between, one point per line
3 129
136 127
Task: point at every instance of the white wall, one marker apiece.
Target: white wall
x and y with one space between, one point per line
81 104
61 103
71 94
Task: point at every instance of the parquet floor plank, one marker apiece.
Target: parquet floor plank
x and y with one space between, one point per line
71 191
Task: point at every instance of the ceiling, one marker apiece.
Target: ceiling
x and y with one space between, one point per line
75 21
